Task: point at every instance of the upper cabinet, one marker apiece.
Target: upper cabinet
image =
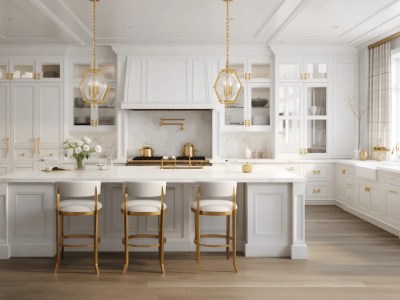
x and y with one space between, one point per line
80 111
252 110
292 69
178 82
24 69
252 70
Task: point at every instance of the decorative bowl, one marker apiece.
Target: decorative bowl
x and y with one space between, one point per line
247 168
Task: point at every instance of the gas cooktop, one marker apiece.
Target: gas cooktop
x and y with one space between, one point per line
180 161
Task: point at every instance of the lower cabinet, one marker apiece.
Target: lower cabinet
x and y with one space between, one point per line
392 208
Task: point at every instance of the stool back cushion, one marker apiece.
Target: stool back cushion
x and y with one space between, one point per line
78 189
144 188
217 189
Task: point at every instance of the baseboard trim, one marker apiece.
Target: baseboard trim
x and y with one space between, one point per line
251 250
4 252
320 202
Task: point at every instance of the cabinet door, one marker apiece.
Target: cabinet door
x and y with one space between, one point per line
48 117
340 182
259 71
317 69
315 110
22 114
22 69
3 69
392 213
289 69
364 196
235 114
289 119
49 69
259 96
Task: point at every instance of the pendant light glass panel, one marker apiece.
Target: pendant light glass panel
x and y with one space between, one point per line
93 86
227 86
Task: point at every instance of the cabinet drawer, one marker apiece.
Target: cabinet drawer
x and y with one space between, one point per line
390 178
347 170
50 154
23 154
318 173
350 197
317 190
350 185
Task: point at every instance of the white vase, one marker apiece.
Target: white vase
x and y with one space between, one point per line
247 152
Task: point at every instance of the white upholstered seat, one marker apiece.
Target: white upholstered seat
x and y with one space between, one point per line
216 199
214 205
144 206
68 205
77 199
140 199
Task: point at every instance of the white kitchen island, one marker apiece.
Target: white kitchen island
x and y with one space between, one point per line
270 223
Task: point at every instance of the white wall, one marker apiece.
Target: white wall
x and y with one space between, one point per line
233 144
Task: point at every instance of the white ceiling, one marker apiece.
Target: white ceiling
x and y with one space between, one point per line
344 22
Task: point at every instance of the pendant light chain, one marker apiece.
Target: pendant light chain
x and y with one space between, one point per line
227 35
94 34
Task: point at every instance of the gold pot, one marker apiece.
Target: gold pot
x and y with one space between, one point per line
363 154
247 168
146 151
188 150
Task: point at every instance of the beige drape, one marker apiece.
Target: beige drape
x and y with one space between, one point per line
379 97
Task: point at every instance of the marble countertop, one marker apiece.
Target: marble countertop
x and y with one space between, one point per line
129 173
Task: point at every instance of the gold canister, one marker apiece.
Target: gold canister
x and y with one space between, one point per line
146 151
188 150
247 168
363 155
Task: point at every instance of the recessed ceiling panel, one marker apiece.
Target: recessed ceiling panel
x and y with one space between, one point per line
23 22
173 19
331 20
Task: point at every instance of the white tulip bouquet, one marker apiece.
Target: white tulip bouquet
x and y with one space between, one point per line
80 149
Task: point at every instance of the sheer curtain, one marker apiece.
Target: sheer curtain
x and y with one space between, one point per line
379 101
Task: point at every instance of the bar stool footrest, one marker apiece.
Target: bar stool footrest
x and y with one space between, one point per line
78 236
143 236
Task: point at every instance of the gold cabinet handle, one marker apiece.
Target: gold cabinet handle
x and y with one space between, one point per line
344 171
316 172
51 154
349 184
306 151
37 75
249 76
38 145
22 154
316 191
34 146
367 189
10 76
7 146
393 192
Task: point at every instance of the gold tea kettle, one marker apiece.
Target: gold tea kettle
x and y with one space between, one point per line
146 151
188 150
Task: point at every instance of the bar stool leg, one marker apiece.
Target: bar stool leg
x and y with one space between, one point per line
234 240
96 243
126 225
57 242
62 236
197 237
227 235
161 241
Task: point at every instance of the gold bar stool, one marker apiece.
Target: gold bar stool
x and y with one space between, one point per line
72 200
135 205
211 201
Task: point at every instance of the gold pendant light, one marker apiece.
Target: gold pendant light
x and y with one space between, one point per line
93 86
227 86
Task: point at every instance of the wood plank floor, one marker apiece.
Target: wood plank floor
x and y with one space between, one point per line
349 259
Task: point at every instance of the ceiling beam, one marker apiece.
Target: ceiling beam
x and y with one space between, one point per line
65 19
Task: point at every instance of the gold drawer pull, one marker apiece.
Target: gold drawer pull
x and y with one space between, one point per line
51 154
349 198
316 171
344 171
22 154
367 189
315 191
393 192
349 184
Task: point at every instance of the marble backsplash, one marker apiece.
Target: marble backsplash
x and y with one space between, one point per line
233 144
144 129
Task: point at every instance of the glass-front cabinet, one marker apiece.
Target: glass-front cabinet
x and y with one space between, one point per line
253 71
252 110
302 119
299 69
31 69
80 110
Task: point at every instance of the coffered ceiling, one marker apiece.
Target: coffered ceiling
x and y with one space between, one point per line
344 22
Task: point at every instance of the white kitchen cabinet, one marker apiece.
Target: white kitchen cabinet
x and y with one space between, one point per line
252 110
79 111
251 70
36 118
4 121
392 209
302 116
28 69
293 69
160 82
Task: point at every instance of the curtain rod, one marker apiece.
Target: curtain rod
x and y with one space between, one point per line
385 40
